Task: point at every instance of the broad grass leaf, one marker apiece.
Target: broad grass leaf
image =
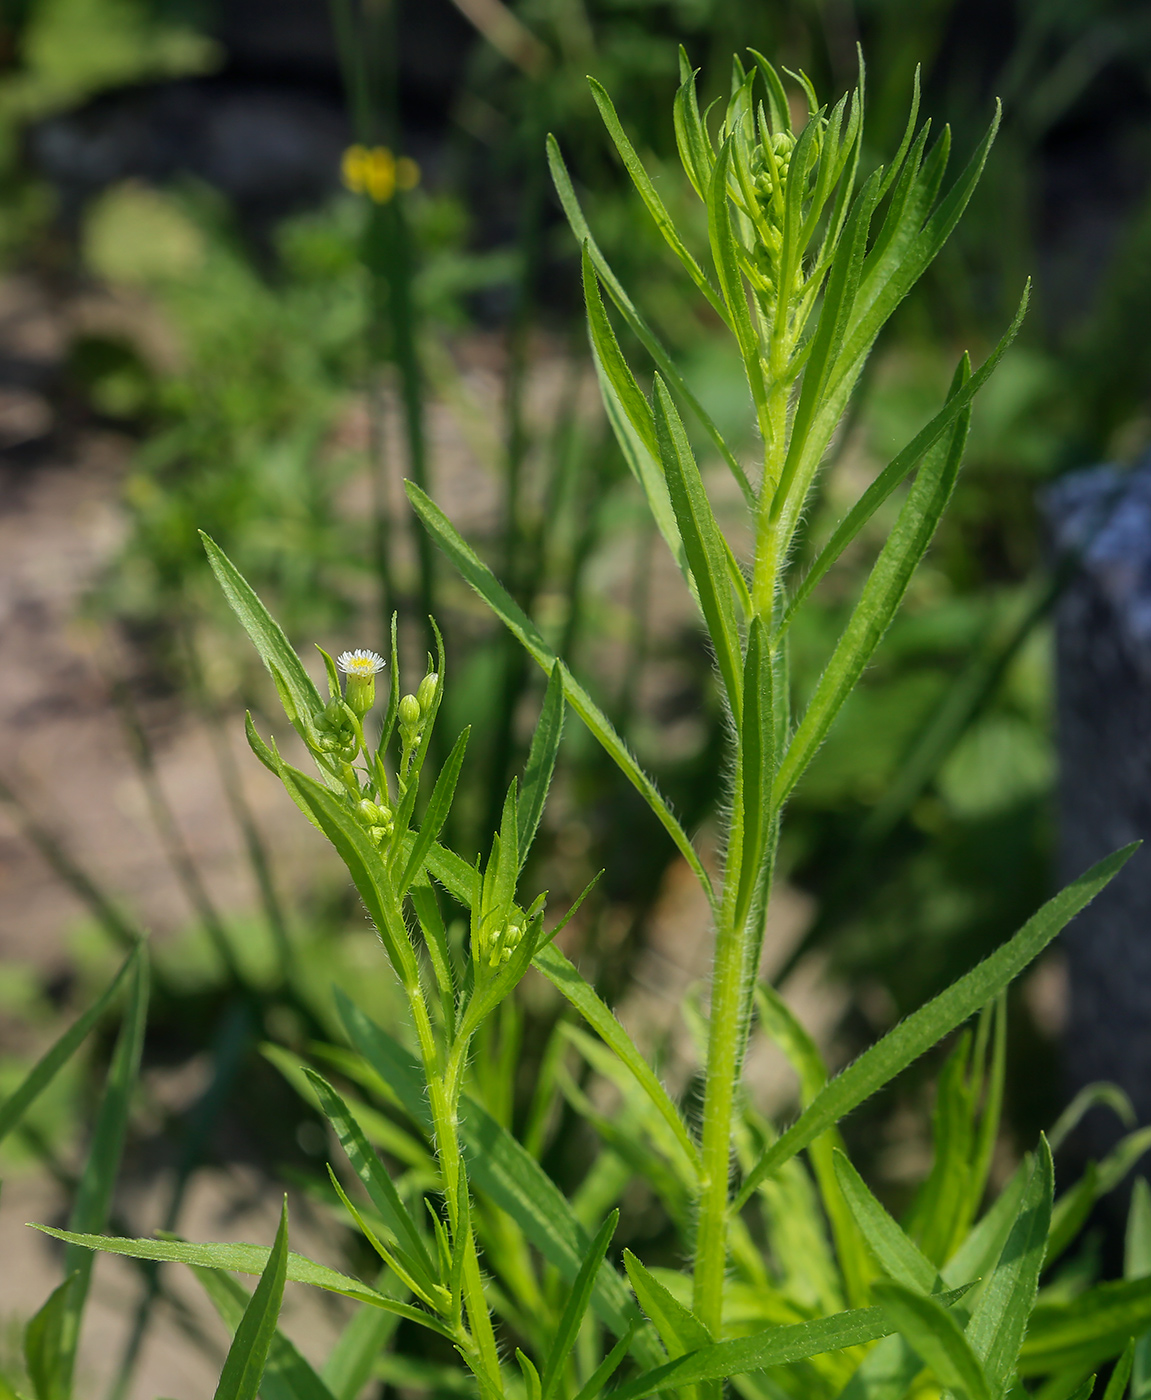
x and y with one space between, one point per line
481 578
244 1365
298 694
938 1339
287 1375
246 1259
576 1306
47 1066
925 1027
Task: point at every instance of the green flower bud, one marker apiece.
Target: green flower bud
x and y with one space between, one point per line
361 668
426 694
372 813
410 712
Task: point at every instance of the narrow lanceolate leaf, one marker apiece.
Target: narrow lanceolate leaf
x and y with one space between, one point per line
46 1067
907 1041
636 323
503 1170
1003 1314
93 1202
678 1327
882 594
481 578
439 805
298 694
901 465
244 1365
575 1308
377 1182
703 542
358 852
567 980
777 1346
541 764
897 1254
287 1375
655 206
731 280
938 1339
1121 1374
246 1259
43 1340
1137 1264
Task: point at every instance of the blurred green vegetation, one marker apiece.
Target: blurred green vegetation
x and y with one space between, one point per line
274 399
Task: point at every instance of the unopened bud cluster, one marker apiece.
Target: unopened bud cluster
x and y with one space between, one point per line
503 944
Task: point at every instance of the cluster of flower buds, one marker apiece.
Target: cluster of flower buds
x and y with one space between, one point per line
503 944
378 820
335 734
415 709
770 161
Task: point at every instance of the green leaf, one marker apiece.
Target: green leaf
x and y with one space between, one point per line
1137 1264
480 577
777 1346
541 764
439 805
678 1327
44 1339
244 1365
900 465
1074 1206
575 1307
46 1067
356 849
655 206
898 1255
349 1364
377 1182
1087 1331
298 694
503 1170
567 980
1091 1096
723 250
287 1375
881 596
1003 1314
636 323
1120 1375
703 542
923 1028
938 1339
246 1259
93 1199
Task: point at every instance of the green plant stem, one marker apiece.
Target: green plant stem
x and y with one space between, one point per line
719 1098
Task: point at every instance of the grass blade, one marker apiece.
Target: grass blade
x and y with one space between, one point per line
923 1028
244 1365
898 1255
287 1375
481 578
439 805
46 1067
576 1306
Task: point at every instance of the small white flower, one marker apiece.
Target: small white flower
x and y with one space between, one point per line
360 664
